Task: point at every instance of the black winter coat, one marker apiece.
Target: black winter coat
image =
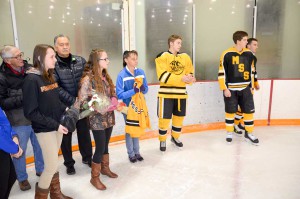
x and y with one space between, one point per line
11 97
68 77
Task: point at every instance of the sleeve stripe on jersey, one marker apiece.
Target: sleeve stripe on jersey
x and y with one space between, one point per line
161 76
168 77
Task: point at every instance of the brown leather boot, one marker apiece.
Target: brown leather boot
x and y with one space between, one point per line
40 193
105 170
95 177
55 192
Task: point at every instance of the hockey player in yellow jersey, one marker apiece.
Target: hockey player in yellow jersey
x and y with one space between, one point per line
252 44
236 80
174 71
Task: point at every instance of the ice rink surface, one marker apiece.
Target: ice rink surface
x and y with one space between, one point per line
206 168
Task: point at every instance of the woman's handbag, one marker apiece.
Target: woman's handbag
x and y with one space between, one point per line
70 118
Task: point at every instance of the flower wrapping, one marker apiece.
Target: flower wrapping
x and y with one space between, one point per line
122 108
98 103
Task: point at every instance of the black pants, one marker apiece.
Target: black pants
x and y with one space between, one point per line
101 138
7 174
84 143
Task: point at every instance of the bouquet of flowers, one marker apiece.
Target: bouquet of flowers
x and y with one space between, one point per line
98 103
122 108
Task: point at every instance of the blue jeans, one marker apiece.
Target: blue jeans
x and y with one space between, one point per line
24 133
132 144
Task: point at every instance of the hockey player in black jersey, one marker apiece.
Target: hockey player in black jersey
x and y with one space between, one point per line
236 80
238 118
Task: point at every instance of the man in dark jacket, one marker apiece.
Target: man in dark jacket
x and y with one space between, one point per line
68 72
11 81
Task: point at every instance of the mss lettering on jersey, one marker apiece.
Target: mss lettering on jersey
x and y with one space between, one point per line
236 69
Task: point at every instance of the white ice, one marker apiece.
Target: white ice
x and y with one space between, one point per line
205 168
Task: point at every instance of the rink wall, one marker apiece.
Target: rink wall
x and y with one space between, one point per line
276 103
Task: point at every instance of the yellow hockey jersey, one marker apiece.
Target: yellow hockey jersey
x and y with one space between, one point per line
170 69
137 115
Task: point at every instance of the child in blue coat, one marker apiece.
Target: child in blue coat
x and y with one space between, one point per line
125 89
9 145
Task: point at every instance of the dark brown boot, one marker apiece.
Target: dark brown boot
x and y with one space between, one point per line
55 192
105 170
40 193
95 177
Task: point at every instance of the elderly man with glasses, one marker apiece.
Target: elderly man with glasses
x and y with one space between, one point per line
12 75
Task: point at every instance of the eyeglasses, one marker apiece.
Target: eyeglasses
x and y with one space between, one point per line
19 56
105 59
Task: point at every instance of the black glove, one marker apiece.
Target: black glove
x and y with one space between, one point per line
142 88
70 118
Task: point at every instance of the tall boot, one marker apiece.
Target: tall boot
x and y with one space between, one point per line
105 170
55 191
40 193
95 177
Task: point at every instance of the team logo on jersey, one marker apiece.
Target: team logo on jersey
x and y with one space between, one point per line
176 67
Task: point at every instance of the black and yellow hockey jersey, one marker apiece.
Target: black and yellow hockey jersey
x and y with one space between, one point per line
170 69
255 72
236 70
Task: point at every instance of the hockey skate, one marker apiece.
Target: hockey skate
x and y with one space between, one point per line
163 146
241 127
237 130
229 137
177 142
249 137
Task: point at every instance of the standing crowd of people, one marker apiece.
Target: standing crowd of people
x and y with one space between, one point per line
70 81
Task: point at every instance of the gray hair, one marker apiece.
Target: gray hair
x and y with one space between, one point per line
58 36
6 52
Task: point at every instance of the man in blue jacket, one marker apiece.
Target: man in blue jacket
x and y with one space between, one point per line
9 144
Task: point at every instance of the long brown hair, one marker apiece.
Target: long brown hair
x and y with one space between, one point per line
39 54
93 70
